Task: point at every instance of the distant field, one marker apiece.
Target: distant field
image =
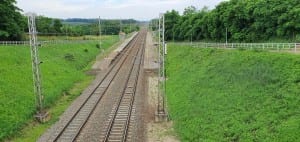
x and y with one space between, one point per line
63 66
64 37
233 95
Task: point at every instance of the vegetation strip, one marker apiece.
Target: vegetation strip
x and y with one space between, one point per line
233 95
63 65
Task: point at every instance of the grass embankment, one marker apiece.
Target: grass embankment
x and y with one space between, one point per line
63 66
233 95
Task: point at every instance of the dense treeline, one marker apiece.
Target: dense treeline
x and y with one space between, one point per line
91 26
46 25
244 21
13 25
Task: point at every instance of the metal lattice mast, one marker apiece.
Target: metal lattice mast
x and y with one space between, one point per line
159 67
161 70
35 62
163 62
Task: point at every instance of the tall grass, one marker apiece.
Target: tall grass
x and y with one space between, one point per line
233 95
63 65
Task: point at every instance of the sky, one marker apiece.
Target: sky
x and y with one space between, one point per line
109 9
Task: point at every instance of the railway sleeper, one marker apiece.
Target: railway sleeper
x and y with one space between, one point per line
129 89
115 139
116 133
123 109
129 92
127 99
121 119
124 106
79 119
115 136
119 129
74 125
119 123
122 115
123 112
116 126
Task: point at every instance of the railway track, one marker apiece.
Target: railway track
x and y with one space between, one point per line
118 124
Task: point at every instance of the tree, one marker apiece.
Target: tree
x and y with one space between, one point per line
190 10
171 19
57 25
11 21
43 24
245 21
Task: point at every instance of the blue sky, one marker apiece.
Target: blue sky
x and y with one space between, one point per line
110 9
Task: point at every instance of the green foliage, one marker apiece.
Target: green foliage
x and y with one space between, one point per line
170 22
63 65
11 21
245 21
98 45
57 25
232 95
48 26
44 24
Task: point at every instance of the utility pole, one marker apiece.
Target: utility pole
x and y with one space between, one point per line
163 61
120 25
226 36
41 114
130 26
159 97
173 34
100 44
161 114
192 38
67 27
191 34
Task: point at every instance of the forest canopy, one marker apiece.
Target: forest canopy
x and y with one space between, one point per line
244 21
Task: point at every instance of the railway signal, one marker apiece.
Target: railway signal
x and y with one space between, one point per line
37 81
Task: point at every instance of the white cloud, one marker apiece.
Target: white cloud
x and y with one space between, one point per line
137 9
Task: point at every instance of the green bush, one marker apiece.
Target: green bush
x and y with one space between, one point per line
69 57
98 45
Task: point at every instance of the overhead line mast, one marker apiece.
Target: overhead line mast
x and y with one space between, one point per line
100 32
161 114
37 81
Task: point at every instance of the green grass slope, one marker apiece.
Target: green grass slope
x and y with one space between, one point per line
63 65
233 95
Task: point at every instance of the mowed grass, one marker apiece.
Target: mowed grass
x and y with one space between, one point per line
233 95
63 66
